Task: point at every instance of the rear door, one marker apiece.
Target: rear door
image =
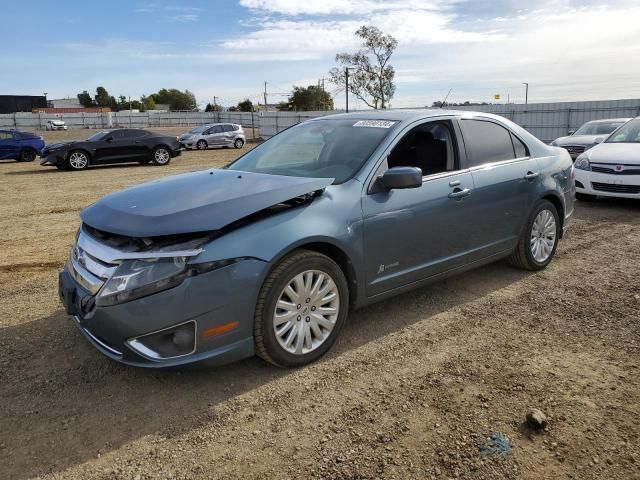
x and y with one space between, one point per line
228 134
505 179
9 145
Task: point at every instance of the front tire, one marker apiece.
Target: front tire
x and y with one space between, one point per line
585 197
301 308
539 238
77 160
161 156
27 155
202 145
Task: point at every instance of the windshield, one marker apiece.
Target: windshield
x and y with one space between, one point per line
97 136
628 133
199 129
320 149
598 128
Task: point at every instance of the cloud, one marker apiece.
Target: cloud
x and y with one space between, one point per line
185 17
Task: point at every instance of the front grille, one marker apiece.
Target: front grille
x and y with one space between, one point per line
616 169
574 149
615 188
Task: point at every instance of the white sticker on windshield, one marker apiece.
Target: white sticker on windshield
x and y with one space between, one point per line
375 123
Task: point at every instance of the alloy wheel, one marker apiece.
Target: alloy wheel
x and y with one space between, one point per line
306 312
201 145
78 160
161 156
543 236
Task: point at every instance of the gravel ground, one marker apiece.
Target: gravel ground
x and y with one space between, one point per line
413 388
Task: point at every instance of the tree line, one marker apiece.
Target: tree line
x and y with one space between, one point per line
176 99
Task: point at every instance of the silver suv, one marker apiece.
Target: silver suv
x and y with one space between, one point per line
214 135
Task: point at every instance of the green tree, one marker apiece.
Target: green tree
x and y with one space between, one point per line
103 99
284 106
312 97
212 108
370 74
148 102
176 99
85 99
246 106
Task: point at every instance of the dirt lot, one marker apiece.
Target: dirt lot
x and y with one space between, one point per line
412 389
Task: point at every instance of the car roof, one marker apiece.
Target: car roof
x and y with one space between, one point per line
410 115
607 120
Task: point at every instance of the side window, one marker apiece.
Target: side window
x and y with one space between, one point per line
135 133
520 148
486 142
428 146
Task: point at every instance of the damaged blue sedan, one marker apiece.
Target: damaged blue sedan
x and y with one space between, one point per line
268 255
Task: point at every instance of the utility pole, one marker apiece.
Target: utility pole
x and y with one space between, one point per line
324 105
346 90
215 104
265 96
526 92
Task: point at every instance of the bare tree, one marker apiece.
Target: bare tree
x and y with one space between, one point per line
370 75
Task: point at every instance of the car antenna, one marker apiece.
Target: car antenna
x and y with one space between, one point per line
445 98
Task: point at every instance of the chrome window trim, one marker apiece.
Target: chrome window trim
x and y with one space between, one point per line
498 163
108 254
138 347
436 176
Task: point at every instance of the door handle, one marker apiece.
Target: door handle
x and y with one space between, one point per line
454 183
458 194
531 175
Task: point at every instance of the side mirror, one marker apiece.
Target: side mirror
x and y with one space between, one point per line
571 132
402 177
599 139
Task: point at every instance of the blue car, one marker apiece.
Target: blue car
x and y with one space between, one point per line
21 146
268 255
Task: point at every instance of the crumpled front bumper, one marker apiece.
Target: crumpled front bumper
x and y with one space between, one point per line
211 300
51 158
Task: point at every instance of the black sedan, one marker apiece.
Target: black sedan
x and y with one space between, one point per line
125 145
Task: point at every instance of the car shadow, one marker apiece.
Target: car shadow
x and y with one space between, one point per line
89 169
63 402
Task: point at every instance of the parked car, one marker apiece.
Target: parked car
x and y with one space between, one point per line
21 146
214 135
611 168
112 146
269 254
55 125
585 137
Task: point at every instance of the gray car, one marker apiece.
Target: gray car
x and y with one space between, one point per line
214 135
268 255
588 135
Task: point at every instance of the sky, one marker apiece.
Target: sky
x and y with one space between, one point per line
565 49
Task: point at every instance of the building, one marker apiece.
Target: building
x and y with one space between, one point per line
21 103
64 103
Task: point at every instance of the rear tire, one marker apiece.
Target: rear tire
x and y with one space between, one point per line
311 323
585 197
161 156
539 238
27 155
239 143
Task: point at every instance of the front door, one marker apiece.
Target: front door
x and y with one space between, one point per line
214 135
413 234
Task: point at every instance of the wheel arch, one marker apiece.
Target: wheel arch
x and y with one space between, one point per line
335 253
79 149
557 202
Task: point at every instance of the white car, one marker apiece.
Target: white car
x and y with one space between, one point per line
611 168
55 125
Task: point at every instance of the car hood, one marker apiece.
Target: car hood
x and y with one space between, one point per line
617 153
194 202
54 146
577 140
